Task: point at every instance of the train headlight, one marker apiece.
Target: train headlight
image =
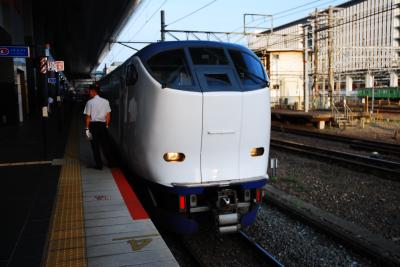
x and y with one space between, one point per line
193 200
174 157
257 151
247 195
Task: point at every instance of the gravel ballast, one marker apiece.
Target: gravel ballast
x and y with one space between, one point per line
297 244
363 199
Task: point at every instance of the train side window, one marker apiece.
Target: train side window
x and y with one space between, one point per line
249 69
208 56
170 69
131 75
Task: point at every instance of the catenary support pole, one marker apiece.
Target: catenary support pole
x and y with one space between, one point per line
316 51
330 55
306 91
162 26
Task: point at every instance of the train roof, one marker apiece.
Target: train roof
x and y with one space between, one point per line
155 48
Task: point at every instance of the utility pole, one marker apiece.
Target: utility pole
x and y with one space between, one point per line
316 51
306 91
330 55
162 26
323 70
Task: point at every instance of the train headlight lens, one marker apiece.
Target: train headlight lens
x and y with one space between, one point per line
257 151
174 157
258 195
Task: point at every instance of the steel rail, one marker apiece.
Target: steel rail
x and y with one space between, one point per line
370 145
271 260
383 251
388 167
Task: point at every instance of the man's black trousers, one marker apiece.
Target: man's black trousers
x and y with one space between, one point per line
99 134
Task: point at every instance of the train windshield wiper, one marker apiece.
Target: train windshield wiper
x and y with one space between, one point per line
252 76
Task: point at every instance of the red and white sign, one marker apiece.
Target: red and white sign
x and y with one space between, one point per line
43 65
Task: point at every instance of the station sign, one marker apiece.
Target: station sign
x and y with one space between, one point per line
14 51
51 66
52 80
57 66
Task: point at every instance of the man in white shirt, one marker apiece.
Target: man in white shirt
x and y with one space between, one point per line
97 120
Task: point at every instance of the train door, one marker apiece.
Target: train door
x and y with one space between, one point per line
123 114
115 107
222 104
131 78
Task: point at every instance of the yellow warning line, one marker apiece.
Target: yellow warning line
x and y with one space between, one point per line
66 247
25 163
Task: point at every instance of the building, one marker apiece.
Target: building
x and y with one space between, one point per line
353 45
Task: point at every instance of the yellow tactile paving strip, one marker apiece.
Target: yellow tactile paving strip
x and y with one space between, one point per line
66 247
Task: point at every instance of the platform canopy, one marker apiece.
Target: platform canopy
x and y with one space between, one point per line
78 30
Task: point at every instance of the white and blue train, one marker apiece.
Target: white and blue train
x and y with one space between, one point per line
192 118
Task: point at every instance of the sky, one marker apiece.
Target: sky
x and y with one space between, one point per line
207 15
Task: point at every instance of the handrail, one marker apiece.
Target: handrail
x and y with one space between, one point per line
348 112
340 118
335 113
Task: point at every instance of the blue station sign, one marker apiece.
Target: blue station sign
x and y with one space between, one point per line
14 51
52 80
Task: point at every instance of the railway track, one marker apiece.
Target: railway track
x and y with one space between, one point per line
269 258
369 145
384 252
211 249
390 169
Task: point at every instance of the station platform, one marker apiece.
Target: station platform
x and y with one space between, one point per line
317 117
79 216
29 174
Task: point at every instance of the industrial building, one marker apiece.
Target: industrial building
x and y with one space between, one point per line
349 46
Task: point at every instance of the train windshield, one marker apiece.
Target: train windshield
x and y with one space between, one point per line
208 56
249 69
170 69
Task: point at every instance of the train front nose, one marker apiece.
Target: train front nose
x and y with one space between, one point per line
222 102
221 136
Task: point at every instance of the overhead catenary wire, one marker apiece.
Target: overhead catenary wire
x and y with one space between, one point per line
117 51
149 19
313 7
140 29
300 11
193 12
290 14
139 15
293 8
